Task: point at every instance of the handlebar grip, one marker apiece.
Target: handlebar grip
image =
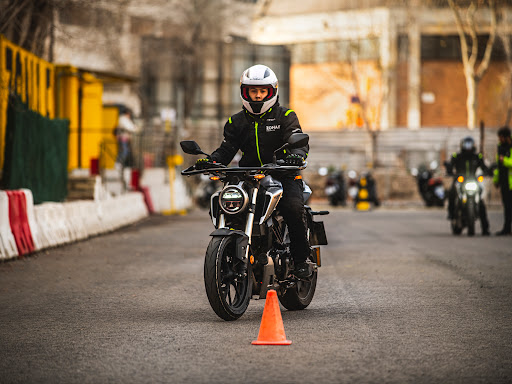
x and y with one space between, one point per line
320 213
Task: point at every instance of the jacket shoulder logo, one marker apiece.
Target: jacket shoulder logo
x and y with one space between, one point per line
272 128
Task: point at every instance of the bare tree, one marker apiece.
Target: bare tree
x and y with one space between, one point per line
28 23
468 34
372 126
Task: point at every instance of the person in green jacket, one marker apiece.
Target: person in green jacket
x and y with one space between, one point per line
503 177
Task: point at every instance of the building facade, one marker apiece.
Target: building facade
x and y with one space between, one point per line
400 61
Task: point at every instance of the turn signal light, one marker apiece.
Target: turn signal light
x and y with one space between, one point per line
480 179
460 179
214 178
259 176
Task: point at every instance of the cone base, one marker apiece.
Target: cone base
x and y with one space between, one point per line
283 342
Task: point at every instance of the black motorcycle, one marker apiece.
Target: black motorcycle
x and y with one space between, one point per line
204 191
249 252
336 189
467 201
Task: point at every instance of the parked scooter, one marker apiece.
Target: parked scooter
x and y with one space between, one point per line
353 182
430 187
336 189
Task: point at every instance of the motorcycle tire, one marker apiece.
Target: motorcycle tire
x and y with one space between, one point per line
456 229
300 295
471 217
227 293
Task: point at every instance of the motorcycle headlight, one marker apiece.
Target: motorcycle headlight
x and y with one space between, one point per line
233 199
471 186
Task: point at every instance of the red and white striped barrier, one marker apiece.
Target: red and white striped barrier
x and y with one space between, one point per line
26 228
8 248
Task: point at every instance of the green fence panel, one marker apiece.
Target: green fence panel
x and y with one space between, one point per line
36 153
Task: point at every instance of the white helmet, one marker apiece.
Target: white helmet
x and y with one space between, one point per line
258 76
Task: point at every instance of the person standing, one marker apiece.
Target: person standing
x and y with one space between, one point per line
503 177
124 131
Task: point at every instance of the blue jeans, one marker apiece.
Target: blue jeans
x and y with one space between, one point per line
123 152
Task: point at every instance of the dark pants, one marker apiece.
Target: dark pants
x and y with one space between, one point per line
506 198
124 153
291 207
482 210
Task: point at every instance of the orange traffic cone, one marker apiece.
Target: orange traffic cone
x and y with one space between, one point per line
271 328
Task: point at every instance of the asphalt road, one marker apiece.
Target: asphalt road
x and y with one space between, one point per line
399 300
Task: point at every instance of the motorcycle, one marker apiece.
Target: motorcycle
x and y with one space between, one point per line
249 252
431 188
335 189
467 201
204 191
366 196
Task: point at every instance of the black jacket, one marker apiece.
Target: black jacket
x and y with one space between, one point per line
258 136
466 164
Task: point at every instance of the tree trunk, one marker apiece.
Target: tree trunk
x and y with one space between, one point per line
373 136
472 100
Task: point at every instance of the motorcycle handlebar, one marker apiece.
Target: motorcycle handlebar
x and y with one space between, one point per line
223 169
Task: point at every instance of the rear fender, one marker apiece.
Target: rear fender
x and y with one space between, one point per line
242 240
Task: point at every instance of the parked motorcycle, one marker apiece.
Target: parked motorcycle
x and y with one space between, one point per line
336 189
249 252
431 188
469 191
366 196
204 191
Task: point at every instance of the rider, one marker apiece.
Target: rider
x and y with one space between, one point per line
503 177
258 130
466 163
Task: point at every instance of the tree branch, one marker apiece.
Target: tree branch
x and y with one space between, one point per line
482 68
462 35
474 36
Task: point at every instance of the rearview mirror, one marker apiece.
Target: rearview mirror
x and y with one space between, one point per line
191 147
297 140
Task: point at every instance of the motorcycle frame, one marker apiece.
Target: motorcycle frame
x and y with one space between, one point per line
243 177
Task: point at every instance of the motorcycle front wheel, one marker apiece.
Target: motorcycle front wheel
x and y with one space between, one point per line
471 216
227 292
456 222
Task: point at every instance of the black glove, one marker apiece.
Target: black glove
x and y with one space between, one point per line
203 163
293 159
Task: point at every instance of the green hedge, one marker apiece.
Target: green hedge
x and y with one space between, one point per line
36 153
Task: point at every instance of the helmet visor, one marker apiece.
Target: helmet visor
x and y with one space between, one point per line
467 145
247 97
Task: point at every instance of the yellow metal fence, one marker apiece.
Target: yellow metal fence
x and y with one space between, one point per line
28 76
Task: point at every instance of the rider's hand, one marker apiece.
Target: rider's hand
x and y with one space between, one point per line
203 163
294 159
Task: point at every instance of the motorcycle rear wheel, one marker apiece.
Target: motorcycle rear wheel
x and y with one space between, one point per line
227 293
299 296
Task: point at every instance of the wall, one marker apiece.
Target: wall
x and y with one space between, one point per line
446 81
321 94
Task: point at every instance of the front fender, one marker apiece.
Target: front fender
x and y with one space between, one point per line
242 240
